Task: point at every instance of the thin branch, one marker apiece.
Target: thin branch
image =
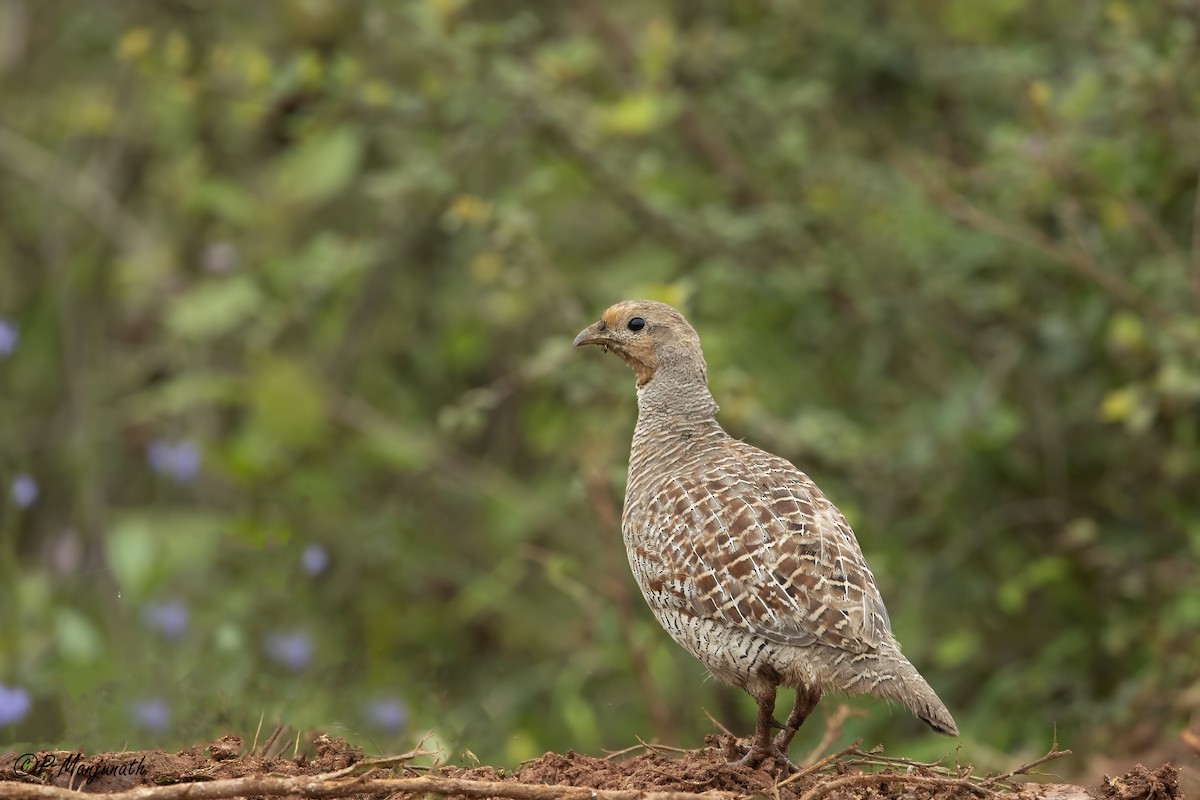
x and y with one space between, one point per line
1073 255
623 55
852 756
709 141
370 764
258 730
649 747
323 786
1153 230
658 222
877 759
833 730
1026 769
1195 260
827 787
1191 739
609 755
90 198
817 766
718 725
266 748
1078 257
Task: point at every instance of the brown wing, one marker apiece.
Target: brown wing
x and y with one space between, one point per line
753 543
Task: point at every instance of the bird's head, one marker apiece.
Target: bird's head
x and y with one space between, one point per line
651 337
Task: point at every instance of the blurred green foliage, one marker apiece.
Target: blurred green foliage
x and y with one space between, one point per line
292 426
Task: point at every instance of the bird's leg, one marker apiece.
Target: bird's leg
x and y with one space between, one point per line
806 701
760 744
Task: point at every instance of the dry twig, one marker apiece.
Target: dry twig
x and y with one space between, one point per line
267 745
959 774
718 725
820 765
324 786
822 789
833 729
1195 259
88 196
387 762
258 730
644 745
1027 769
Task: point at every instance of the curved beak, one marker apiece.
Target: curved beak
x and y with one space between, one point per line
593 334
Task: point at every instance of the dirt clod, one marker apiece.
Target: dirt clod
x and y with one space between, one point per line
227 747
334 754
1143 784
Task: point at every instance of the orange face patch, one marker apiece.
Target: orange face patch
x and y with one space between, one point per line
614 316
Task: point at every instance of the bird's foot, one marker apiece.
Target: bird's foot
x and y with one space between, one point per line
766 757
783 740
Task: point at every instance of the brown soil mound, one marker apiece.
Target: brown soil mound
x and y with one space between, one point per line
337 770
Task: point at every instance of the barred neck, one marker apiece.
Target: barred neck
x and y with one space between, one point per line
675 420
679 394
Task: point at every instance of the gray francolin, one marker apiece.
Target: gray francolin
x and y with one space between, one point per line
738 554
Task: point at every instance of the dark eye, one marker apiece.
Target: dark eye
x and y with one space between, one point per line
636 324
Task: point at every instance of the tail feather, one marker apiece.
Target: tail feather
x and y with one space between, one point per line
889 675
915 692
937 716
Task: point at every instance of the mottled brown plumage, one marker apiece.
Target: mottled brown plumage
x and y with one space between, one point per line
740 557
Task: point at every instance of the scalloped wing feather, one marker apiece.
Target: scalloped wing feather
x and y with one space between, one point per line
750 541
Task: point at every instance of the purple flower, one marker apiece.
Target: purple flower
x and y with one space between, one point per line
24 490
170 618
177 460
151 714
8 337
292 649
315 559
387 714
14 704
